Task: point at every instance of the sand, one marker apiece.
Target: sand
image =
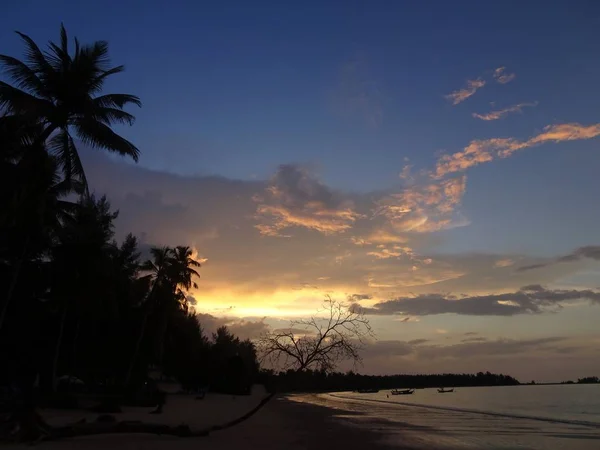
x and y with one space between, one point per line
281 424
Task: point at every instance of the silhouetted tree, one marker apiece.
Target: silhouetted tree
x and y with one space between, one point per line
54 95
319 342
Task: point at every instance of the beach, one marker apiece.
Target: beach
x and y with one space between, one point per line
323 421
281 424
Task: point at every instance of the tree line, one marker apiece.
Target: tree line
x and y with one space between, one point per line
318 380
77 305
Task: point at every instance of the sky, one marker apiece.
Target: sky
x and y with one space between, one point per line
435 163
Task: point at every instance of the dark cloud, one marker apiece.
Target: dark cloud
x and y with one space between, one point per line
240 327
532 267
474 339
357 297
482 348
495 348
587 252
532 299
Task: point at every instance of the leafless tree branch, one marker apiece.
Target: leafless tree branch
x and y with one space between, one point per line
324 343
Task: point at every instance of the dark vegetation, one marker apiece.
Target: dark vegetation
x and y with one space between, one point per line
314 381
588 380
81 313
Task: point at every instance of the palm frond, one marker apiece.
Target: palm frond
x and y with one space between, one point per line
96 83
17 101
108 116
97 134
22 75
62 146
64 41
34 56
60 59
116 100
192 272
96 55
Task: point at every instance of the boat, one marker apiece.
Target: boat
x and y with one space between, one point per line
367 391
402 391
445 391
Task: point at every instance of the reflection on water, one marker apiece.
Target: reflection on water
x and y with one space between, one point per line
536 417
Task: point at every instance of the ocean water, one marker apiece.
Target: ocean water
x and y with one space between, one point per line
565 417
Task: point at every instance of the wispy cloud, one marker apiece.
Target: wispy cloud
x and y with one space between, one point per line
587 252
502 77
504 263
424 208
461 95
499 114
481 151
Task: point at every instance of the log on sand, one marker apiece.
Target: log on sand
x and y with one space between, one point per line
47 433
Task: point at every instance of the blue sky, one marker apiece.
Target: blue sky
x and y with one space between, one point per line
348 94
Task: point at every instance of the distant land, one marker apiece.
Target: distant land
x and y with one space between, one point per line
315 381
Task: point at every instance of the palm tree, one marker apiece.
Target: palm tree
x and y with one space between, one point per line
158 269
181 279
56 95
61 91
182 270
172 272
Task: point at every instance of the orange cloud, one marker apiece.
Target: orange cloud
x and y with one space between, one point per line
461 95
393 251
495 115
424 208
502 77
481 151
295 198
504 263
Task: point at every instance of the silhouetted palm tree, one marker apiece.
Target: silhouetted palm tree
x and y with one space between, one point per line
61 91
158 272
172 272
184 263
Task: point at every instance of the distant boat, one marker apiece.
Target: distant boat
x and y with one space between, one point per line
368 391
402 392
445 391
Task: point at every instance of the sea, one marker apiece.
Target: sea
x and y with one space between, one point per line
548 417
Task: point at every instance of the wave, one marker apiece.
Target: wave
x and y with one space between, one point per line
473 411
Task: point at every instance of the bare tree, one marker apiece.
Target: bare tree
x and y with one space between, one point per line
319 342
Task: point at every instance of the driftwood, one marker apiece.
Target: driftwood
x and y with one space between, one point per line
47 433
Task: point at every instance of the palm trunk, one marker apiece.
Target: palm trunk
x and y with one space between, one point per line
136 349
61 330
140 338
74 355
13 282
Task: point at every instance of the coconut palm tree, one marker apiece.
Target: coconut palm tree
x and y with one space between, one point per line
172 271
182 270
61 91
158 269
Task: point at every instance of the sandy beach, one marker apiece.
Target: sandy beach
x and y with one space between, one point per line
281 424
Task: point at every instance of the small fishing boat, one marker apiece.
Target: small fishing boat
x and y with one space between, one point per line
402 391
445 391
